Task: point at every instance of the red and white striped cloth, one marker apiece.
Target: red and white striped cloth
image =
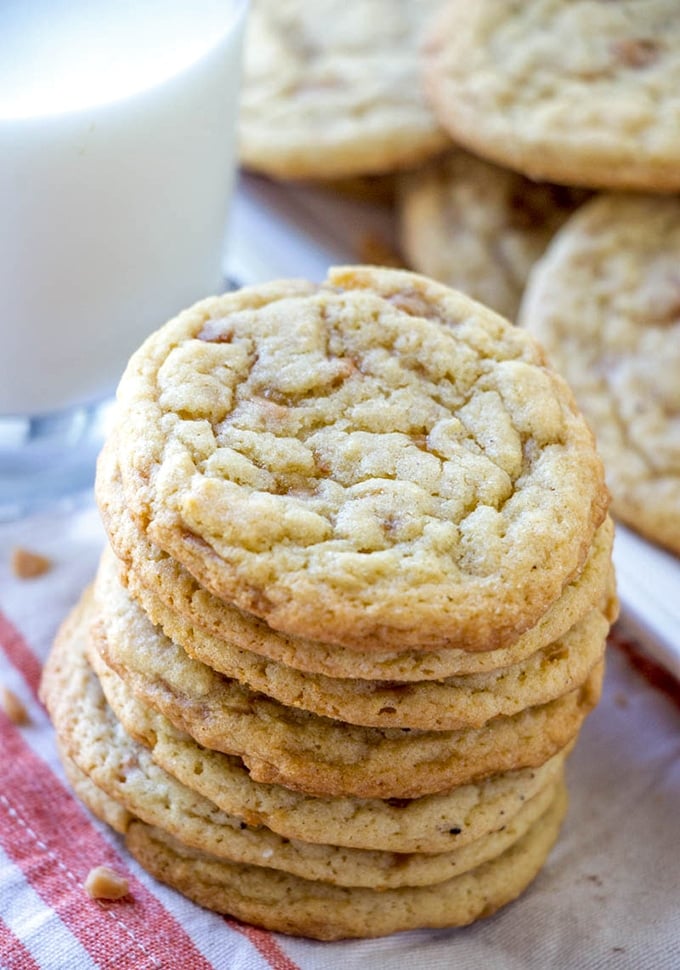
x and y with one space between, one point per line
609 895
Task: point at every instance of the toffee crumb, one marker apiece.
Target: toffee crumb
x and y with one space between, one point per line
105 883
14 708
27 564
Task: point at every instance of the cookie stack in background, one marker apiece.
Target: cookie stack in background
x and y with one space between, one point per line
354 610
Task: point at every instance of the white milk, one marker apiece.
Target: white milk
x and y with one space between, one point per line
117 127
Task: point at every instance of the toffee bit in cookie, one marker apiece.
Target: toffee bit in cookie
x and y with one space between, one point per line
105 883
27 564
636 52
13 707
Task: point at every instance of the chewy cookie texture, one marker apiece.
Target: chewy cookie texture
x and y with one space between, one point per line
92 737
354 610
534 107
153 573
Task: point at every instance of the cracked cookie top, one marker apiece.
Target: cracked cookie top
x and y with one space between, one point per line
376 461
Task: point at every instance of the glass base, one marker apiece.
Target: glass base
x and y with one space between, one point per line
45 459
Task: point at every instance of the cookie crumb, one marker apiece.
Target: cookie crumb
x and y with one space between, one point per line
105 883
27 564
14 708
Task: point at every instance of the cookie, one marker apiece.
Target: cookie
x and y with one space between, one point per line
478 227
327 94
376 461
452 704
571 91
96 799
287 904
209 831
605 302
90 737
319 755
146 567
431 824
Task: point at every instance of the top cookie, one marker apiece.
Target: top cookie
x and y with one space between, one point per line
605 302
332 90
376 461
577 91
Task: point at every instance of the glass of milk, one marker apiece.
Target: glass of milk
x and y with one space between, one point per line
117 162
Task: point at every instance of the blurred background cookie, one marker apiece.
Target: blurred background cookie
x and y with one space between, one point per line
572 91
479 227
332 90
605 303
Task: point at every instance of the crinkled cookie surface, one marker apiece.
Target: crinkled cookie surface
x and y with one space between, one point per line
376 460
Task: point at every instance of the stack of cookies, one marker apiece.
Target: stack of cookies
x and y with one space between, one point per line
354 609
